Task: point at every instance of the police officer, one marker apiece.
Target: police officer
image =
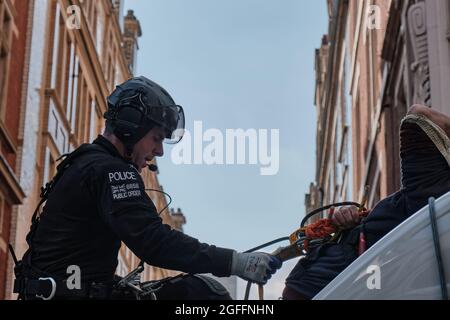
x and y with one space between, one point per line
97 200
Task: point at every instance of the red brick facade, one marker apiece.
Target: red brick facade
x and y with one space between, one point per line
69 72
14 17
367 76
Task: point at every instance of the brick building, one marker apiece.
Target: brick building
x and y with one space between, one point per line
59 59
378 58
13 75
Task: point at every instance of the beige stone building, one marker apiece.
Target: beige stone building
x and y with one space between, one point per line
61 58
378 58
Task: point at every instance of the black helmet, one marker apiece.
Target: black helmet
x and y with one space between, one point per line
138 105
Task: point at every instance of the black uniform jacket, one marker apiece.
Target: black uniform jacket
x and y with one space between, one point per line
100 201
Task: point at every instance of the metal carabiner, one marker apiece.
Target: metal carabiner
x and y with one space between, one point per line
52 294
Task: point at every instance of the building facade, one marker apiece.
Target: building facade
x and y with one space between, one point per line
379 58
13 56
59 60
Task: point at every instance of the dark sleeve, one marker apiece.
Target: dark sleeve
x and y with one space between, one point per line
132 216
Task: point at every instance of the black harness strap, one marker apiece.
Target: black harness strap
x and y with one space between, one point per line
21 278
61 168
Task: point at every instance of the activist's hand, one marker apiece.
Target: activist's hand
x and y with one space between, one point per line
346 217
255 267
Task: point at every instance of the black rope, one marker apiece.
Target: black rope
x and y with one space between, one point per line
337 204
302 224
437 248
305 219
267 244
164 193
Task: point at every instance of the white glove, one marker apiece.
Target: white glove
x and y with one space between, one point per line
255 267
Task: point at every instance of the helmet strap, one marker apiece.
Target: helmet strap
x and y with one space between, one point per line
128 151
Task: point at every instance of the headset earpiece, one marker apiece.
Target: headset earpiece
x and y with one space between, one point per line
127 120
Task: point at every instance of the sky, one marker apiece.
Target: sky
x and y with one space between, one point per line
248 65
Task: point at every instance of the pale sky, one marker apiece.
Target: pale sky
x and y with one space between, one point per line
238 64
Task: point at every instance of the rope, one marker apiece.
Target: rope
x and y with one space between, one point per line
320 229
267 244
324 228
337 204
437 249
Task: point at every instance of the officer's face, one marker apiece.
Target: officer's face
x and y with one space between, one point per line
150 146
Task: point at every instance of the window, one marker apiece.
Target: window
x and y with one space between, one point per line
344 189
80 121
6 27
63 61
97 121
66 70
448 20
54 120
71 79
338 128
2 213
110 67
369 82
63 140
330 188
65 65
86 119
99 30
347 154
93 122
57 49
358 143
51 167
73 100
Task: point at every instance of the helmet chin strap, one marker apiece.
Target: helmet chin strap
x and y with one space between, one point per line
129 153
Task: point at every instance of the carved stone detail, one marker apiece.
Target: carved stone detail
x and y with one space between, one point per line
417 26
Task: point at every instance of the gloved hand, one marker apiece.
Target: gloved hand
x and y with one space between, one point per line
255 267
